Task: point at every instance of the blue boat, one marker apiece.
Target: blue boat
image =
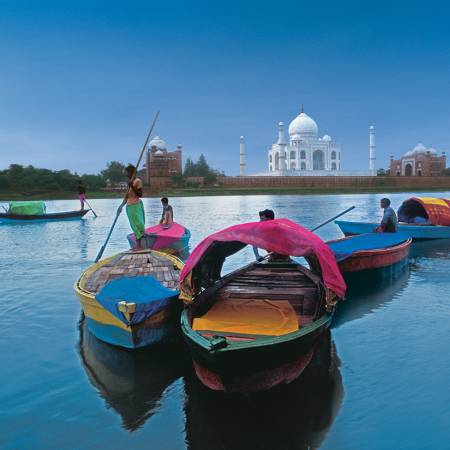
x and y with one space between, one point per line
420 218
414 231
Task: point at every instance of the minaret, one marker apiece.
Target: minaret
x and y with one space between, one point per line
242 157
372 168
282 144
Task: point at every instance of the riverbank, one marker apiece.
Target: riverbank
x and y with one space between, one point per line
218 191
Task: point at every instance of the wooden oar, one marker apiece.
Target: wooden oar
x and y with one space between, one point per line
90 207
119 210
333 218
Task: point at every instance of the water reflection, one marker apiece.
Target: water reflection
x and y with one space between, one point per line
366 296
132 383
436 248
296 416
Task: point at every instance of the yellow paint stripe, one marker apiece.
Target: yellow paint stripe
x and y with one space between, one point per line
433 201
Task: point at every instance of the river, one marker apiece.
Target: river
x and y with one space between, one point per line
379 381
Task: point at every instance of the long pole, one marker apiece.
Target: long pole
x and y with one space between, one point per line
333 218
90 207
119 209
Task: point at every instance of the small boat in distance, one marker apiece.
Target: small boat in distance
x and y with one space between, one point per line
371 255
36 212
172 240
420 218
257 327
131 299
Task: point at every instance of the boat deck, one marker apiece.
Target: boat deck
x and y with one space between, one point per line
274 284
284 284
129 264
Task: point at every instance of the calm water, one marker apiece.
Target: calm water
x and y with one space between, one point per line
379 381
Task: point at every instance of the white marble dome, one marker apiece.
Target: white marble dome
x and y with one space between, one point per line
157 142
303 125
326 138
419 148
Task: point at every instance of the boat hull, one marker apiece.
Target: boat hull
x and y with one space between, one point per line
415 232
58 216
161 326
276 360
377 263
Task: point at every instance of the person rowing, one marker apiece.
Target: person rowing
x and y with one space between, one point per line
135 207
389 222
81 193
167 213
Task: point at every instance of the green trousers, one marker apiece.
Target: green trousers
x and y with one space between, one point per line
136 216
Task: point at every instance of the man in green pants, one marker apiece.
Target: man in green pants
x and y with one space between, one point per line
135 207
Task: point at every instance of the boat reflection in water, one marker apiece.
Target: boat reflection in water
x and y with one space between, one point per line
366 296
131 383
294 416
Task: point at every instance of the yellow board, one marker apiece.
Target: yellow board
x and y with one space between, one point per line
260 317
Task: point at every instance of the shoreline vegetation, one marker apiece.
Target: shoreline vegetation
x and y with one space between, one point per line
11 195
198 179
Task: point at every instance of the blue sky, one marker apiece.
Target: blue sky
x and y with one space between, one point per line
81 81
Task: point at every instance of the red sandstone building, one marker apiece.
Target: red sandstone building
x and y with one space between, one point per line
420 161
162 164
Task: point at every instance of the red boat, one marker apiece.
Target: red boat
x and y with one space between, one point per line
380 254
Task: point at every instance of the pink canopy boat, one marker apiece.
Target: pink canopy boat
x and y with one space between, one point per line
258 326
174 239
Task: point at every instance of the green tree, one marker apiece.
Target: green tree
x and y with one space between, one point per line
114 172
189 168
202 168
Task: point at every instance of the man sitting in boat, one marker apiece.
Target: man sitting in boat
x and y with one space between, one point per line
135 207
265 215
167 213
81 193
389 222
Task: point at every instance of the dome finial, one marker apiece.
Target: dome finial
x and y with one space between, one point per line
303 109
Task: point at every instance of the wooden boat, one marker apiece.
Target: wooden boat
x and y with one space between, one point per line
56 216
371 254
131 383
173 240
294 416
131 299
258 326
420 218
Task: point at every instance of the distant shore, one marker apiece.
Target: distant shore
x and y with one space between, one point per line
212 191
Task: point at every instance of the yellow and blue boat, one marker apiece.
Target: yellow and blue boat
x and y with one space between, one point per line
131 299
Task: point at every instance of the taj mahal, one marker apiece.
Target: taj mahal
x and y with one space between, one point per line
307 154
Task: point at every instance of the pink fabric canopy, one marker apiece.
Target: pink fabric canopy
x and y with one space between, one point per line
279 236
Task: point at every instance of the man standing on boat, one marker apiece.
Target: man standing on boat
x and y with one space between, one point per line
389 222
135 207
167 213
265 215
81 193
